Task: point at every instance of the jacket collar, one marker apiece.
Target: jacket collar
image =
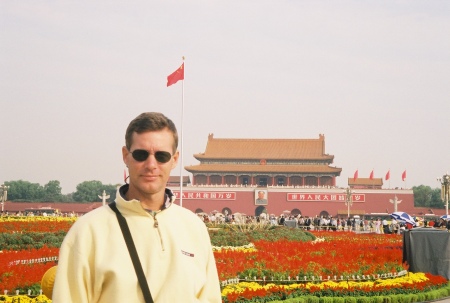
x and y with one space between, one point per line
168 196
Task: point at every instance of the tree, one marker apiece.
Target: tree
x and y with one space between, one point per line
436 200
24 191
52 191
424 196
88 191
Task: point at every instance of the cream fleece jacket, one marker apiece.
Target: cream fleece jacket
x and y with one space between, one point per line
95 266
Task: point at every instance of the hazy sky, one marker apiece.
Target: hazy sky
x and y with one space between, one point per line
372 76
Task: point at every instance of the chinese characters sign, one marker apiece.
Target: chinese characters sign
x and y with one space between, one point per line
207 195
306 197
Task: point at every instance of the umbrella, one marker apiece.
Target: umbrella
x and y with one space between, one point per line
445 217
403 217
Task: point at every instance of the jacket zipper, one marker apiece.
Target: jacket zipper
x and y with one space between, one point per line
156 225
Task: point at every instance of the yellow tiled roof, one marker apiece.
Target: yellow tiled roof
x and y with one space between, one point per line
262 168
365 181
265 149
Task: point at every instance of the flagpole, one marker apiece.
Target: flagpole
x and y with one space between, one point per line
181 137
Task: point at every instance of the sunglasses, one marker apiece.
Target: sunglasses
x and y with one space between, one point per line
141 155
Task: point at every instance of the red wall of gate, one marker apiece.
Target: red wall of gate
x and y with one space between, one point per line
309 202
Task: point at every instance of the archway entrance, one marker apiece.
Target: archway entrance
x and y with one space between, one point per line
259 210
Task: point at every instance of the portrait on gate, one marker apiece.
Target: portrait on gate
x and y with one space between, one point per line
260 197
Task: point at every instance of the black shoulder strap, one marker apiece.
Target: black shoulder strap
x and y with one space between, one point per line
133 253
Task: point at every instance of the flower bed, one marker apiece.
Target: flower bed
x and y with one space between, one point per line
408 284
35 224
336 264
339 254
290 265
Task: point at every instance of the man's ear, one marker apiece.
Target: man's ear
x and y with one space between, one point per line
125 153
175 157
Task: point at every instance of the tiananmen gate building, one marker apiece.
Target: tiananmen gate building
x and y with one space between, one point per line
277 176
265 162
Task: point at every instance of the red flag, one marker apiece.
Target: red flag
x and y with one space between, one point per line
176 75
404 176
355 176
388 175
371 175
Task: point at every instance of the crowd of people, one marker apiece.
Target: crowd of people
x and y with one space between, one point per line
38 214
375 225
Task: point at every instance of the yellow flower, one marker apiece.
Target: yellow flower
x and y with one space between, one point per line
25 299
410 278
249 248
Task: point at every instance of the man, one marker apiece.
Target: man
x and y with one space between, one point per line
173 244
308 223
386 229
261 200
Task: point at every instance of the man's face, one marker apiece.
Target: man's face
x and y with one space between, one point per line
261 195
149 177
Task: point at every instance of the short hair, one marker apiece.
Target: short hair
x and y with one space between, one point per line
150 121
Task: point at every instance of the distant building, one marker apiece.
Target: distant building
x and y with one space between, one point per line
174 181
359 183
296 175
265 162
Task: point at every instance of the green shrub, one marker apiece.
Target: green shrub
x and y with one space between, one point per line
407 298
443 292
29 240
421 297
414 298
226 236
378 299
312 299
396 298
432 295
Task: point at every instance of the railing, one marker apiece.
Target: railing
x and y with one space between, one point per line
306 279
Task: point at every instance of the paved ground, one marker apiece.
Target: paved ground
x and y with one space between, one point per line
445 300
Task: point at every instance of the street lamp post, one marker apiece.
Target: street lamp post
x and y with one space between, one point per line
445 183
4 195
349 200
